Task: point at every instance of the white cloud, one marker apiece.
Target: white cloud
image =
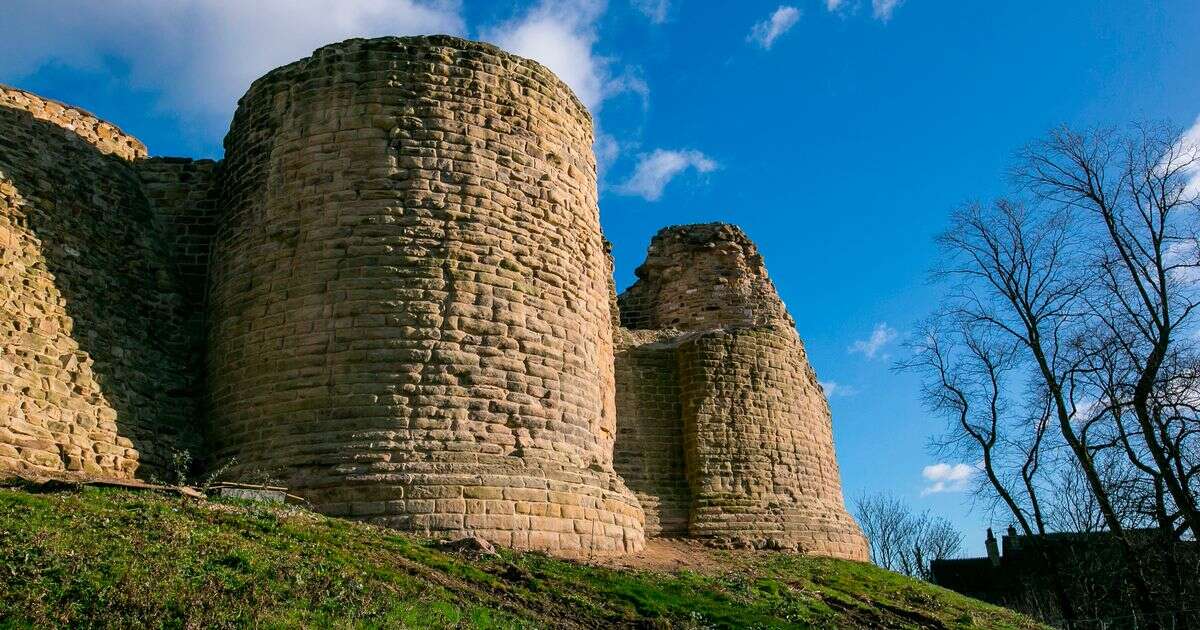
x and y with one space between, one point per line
1087 409
834 389
883 9
766 32
655 170
656 10
1190 143
607 150
944 477
880 337
199 56
630 81
834 5
1184 256
561 35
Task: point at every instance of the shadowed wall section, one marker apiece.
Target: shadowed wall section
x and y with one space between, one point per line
410 316
94 342
183 194
648 412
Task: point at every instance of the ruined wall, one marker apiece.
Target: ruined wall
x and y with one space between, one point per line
729 390
66 121
699 277
410 315
93 339
650 429
404 307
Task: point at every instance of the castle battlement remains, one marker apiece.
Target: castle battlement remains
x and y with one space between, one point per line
394 294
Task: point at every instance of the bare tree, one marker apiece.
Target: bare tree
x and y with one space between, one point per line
1063 355
902 540
1135 187
968 380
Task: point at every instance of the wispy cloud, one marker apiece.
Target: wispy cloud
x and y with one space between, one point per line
655 170
883 9
834 5
1183 257
834 389
562 36
943 477
872 346
1190 143
655 10
607 151
766 32
630 80
199 56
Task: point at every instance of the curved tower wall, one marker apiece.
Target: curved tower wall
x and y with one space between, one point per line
716 392
759 445
95 368
410 316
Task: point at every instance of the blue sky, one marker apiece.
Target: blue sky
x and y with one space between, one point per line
838 133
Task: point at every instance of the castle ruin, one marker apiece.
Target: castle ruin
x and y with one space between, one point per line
393 291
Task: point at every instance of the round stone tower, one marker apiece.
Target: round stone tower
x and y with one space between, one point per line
725 434
409 302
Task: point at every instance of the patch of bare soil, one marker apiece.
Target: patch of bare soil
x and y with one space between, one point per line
673 554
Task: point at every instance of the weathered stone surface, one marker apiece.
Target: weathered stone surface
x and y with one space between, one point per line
699 277
94 374
650 457
409 312
183 193
723 431
393 294
71 122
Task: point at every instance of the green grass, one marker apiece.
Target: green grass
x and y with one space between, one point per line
113 558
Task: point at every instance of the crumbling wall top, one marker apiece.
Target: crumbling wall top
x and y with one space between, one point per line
105 136
700 277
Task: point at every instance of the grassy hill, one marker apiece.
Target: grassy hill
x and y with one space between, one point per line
96 557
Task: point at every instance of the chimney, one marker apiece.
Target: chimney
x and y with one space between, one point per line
992 549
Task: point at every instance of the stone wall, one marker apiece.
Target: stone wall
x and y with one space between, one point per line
69 121
93 339
184 193
393 294
699 277
759 445
649 416
410 316
725 400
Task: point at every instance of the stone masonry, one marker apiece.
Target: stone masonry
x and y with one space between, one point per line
409 305
724 432
95 373
394 295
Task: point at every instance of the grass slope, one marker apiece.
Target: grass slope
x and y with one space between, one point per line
114 558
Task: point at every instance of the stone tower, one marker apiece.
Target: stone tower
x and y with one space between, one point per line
725 433
393 294
409 312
